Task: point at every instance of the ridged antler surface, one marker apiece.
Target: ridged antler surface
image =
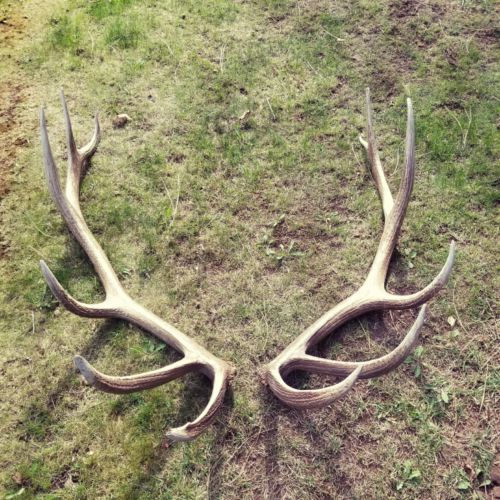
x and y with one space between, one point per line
118 304
371 296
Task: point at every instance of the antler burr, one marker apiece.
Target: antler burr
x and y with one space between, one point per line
117 303
371 296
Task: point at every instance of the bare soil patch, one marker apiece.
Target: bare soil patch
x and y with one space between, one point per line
10 97
12 26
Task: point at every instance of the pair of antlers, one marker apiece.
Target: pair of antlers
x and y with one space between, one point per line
371 296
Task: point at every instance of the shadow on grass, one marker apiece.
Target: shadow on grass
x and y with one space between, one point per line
43 417
223 434
272 409
39 414
192 405
244 446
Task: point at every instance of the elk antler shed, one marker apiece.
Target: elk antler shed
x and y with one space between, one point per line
371 296
117 303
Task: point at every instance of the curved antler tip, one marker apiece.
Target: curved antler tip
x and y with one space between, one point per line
52 281
193 429
62 97
97 124
452 252
451 258
180 434
85 368
47 273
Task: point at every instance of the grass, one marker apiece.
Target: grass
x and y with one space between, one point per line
237 205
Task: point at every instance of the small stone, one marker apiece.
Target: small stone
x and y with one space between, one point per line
451 321
69 483
495 474
121 120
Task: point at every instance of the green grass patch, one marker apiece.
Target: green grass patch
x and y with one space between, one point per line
124 33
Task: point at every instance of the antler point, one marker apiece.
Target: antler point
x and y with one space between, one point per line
85 368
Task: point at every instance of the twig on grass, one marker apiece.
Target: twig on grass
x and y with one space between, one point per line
465 131
271 109
338 39
221 58
173 206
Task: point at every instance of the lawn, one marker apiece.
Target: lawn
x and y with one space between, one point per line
237 204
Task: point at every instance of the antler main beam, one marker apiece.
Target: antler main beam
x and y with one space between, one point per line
118 304
371 296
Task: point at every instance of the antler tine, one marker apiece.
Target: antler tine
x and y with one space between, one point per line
369 297
368 369
69 302
394 220
133 383
73 218
309 398
375 164
194 428
378 271
395 301
118 304
78 158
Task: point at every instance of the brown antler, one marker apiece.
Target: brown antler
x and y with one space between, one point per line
371 296
118 304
